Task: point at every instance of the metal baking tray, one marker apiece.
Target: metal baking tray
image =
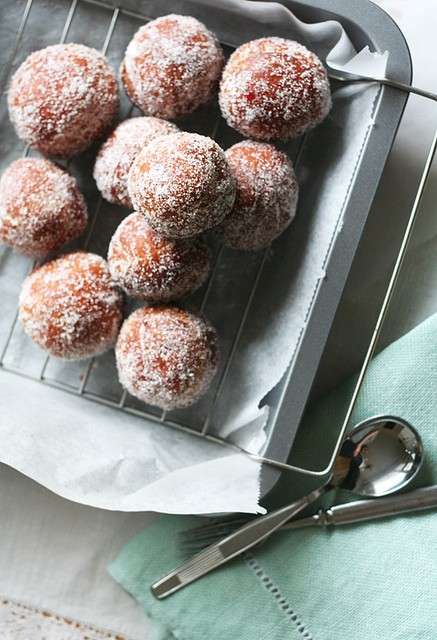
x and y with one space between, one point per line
109 26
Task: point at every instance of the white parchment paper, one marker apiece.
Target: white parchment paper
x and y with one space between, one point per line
98 456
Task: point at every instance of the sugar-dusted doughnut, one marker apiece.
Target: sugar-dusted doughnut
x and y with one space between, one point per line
266 199
116 155
182 184
166 356
41 207
62 98
155 268
273 88
172 65
71 307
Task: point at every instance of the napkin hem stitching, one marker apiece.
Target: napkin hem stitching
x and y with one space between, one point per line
282 603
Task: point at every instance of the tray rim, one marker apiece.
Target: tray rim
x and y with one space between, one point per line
382 31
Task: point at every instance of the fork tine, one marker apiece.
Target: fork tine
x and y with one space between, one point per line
197 538
213 525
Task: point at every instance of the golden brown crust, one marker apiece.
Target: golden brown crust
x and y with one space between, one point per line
41 207
155 268
172 65
71 307
166 356
63 98
182 184
273 88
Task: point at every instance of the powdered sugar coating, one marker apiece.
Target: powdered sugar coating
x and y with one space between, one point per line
182 184
41 207
273 88
71 307
63 98
116 155
166 356
154 268
267 192
172 65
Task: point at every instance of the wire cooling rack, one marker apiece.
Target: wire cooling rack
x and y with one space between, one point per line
89 379
96 379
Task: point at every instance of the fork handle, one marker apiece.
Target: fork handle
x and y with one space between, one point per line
232 546
262 528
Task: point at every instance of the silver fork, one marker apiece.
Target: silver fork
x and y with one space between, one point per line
379 456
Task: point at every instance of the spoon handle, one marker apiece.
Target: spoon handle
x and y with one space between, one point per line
365 510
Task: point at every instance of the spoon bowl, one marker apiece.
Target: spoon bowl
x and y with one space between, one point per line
381 456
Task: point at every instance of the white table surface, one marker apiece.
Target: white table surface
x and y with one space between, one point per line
53 553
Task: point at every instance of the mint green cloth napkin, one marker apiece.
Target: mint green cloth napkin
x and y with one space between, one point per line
372 581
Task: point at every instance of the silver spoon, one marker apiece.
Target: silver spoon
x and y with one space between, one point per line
384 443
378 457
